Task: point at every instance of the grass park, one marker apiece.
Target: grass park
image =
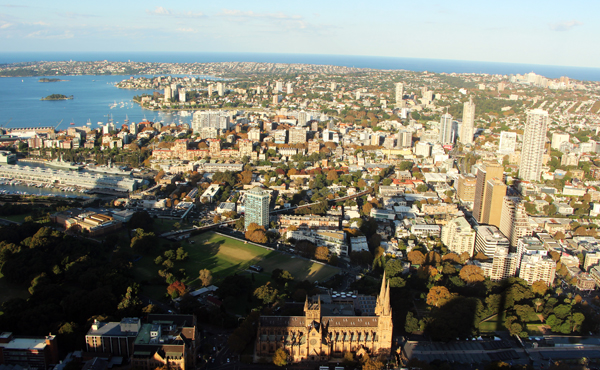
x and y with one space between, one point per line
225 256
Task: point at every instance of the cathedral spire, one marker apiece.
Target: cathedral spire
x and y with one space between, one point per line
382 292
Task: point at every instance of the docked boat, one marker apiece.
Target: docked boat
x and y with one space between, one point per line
59 164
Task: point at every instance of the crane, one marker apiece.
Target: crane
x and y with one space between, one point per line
58 124
6 124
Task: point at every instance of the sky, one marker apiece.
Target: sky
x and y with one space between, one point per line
526 31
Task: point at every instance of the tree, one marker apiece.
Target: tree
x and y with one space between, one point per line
539 287
438 295
205 277
256 233
412 323
266 293
322 253
415 257
332 175
422 188
372 364
141 219
280 357
176 289
245 177
471 274
452 257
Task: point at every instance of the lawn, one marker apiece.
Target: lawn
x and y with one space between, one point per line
225 256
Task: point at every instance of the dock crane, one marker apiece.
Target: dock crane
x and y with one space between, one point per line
58 124
6 124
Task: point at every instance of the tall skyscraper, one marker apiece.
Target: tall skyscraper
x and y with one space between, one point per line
493 202
534 139
514 222
257 207
468 122
399 93
220 89
446 133
487 172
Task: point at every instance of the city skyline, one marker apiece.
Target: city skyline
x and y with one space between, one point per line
495 31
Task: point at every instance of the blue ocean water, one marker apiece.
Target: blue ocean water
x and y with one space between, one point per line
411 64
96 99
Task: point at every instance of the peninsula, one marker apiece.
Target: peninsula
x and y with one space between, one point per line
57 97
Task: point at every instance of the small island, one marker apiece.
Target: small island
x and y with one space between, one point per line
50 80
57 97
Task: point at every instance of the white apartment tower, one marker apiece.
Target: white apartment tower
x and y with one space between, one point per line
468 122
508 142
290 88
537 268
458 236
534 139
279 86
446 133
558 138
220 88
399 93
489 241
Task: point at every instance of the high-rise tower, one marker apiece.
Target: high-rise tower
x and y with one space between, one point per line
446 133
486 173
399 93
466 130
534 139
257 207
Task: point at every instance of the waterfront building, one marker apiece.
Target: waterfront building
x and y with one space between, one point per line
534 138
257 207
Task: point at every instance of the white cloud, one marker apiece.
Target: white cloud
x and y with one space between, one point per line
45 34
161 11
5 25
565 26
251 14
